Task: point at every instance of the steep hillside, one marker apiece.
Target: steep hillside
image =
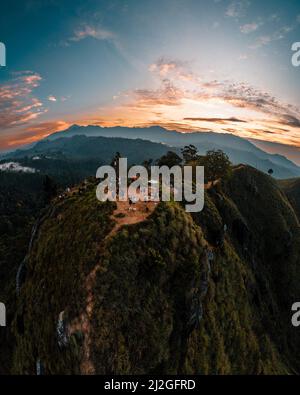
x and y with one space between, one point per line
292 190
21 198
271 244
171 294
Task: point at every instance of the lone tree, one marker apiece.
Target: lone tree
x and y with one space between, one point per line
270 171
189 153
216 165
170 159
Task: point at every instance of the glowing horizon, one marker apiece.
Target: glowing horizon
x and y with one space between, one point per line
221 66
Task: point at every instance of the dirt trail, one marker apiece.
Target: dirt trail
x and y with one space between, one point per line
125 214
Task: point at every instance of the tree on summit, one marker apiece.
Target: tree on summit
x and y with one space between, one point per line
216 165
170 159
190 154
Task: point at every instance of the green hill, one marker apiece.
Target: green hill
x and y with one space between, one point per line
21 198
81 147
172 294
292 190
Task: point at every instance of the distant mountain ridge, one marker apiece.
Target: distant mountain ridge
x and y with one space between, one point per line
101 148
238 149
70 160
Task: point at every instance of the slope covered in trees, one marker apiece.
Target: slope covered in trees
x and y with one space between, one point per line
292 190
22 196
207 294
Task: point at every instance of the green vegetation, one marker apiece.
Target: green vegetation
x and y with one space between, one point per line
154 276
170 159
68 246
22 196
217 165
139 323
190 154
292 190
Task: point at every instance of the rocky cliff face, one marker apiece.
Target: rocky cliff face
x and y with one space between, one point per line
205 294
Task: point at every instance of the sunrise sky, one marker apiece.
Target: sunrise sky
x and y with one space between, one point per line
187 65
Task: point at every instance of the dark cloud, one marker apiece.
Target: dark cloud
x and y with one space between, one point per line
215 120
32 133
290 120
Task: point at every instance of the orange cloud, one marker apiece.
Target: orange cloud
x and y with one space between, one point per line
17 104
185 101
33 133
180 100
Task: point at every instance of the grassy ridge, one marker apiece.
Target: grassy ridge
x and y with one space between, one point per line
292 190
154 278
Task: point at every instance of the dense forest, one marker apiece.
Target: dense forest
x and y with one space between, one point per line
209 293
